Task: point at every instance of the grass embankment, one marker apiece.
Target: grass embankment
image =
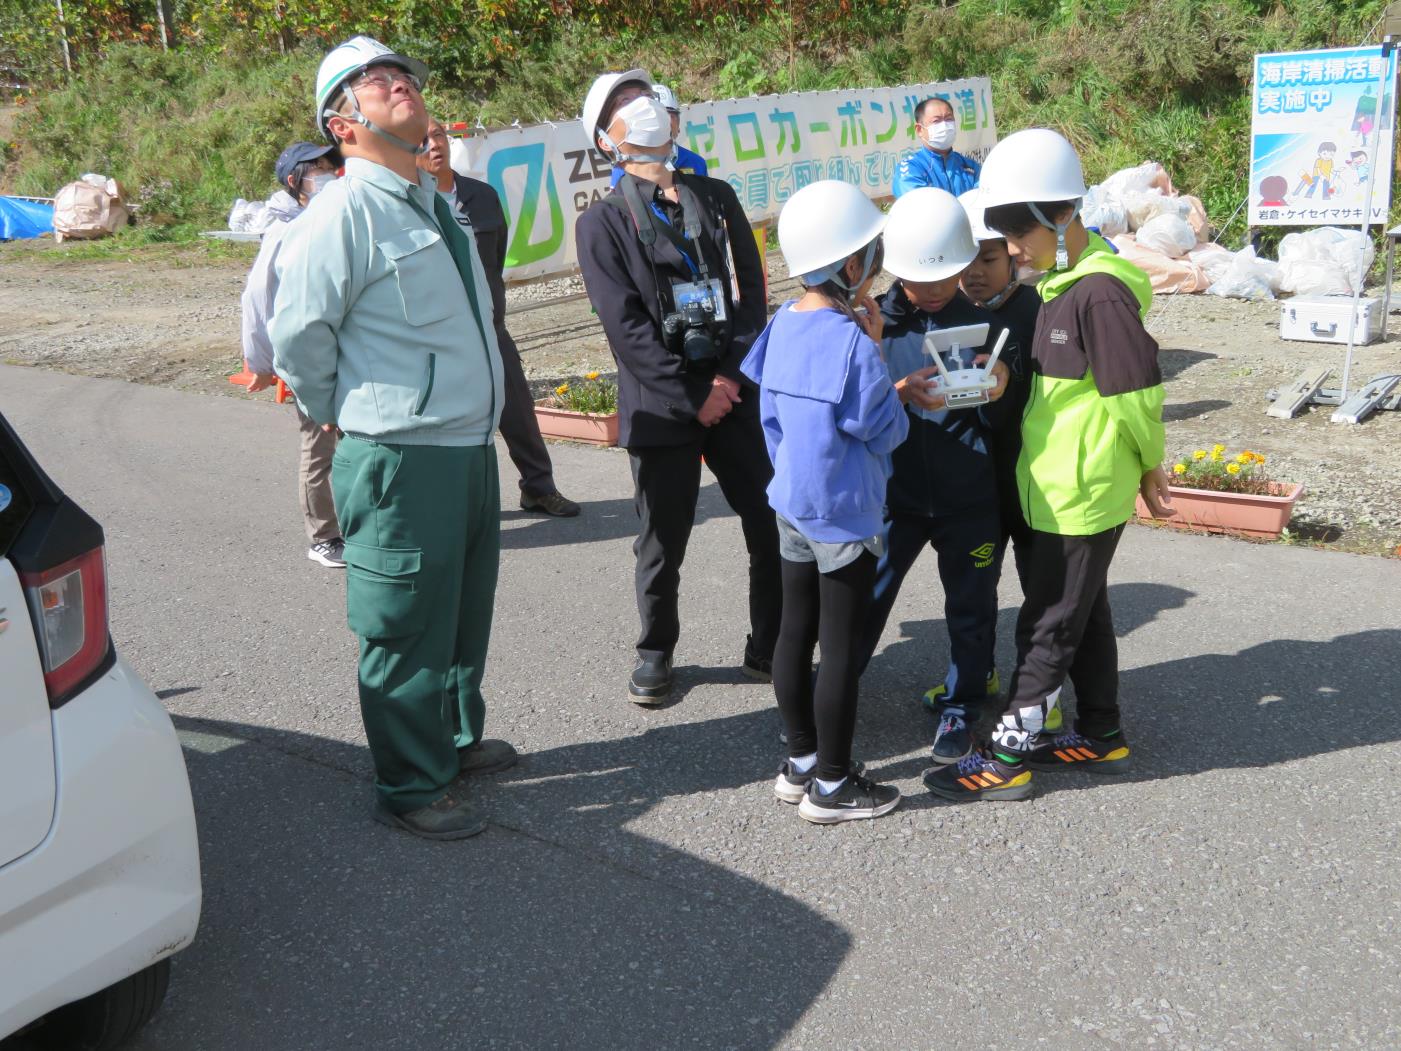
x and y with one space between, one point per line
188 131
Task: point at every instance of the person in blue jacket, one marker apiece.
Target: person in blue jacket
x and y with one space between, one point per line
943 490
935 162
831 417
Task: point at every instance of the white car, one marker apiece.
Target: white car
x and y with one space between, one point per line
99 862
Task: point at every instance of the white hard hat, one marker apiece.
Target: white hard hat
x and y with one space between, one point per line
972 201
825 223
666 97
599 92
349 60
1033 165
927 237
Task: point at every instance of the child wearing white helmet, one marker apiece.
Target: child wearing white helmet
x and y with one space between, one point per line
943 490
991 282
831 418
1092 440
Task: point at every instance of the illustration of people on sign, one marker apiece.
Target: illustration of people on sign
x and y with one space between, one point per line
1364 118
1352 176
1322 174
1272 191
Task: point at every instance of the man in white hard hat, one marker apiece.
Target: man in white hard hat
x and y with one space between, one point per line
1092 440
935 162
382 326
478 211
655 257
685 160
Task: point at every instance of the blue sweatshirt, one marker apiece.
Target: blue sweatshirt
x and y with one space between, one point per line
831 419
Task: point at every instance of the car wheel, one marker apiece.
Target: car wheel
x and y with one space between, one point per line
106 1019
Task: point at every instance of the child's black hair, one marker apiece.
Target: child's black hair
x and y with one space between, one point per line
1357 153
1327 146
1016 220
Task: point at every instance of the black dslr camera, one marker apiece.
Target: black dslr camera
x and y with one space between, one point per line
696 330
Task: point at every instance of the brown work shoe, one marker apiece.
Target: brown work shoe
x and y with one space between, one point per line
448 817
486 757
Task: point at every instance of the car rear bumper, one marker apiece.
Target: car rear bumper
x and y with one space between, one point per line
115 885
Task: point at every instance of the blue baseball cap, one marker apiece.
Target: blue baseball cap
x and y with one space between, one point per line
302 153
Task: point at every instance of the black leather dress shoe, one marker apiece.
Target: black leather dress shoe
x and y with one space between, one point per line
651 681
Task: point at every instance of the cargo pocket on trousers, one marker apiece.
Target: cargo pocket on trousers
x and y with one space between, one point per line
382 596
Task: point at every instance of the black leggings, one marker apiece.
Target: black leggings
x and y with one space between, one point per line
827 609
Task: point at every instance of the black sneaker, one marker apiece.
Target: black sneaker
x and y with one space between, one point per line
651 681
979 775
1099 755
790 786
953 740
756 667
858 798
329 553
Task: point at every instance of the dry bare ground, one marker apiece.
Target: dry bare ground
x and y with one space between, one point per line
161 319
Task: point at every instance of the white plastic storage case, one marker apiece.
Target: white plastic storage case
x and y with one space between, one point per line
1324 319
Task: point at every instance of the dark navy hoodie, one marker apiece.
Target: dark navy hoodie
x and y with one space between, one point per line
946 465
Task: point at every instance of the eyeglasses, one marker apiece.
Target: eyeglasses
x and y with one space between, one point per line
384 77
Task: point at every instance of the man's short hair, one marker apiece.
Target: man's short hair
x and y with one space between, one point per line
922 110
1017 220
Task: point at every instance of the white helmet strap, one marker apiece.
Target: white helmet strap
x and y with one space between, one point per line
836 272
1062 254
615 154
408 147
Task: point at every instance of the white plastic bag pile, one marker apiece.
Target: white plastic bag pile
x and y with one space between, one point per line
1324 262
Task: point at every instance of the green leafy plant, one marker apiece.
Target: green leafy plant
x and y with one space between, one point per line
595 396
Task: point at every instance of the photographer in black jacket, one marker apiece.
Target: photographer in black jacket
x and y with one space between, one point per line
656 259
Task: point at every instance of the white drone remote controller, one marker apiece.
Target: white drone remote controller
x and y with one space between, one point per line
962 388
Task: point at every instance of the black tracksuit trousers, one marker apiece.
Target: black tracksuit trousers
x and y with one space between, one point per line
1065 629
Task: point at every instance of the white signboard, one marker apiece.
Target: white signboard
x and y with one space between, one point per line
766 148
1315 118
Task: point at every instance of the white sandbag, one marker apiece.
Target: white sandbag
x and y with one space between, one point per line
1324 262
1171 235
1248 277
1105 212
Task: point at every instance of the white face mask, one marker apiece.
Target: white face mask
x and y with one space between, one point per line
940 136
647 121
319 182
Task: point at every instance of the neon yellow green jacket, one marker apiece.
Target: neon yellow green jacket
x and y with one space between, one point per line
1094 423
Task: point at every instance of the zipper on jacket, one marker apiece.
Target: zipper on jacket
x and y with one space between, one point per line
428 389
1031 397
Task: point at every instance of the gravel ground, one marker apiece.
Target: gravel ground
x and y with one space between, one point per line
169 323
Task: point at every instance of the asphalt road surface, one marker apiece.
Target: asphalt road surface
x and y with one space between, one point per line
640 887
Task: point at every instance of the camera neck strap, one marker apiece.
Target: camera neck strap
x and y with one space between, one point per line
650 221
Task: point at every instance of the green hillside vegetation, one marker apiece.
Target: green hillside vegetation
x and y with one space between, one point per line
189 129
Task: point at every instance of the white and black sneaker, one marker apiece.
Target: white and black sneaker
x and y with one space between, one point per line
858 798
329 553
790 786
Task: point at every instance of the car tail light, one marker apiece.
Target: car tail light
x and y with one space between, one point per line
68 605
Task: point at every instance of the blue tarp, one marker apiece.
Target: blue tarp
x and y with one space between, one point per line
20 219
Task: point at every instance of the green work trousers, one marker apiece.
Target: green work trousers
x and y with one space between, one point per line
422 528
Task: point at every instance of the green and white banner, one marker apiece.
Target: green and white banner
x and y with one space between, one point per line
766 148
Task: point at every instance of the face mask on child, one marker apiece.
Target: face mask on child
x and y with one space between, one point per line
319 182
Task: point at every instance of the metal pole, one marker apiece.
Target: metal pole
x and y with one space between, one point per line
1372 176
160 17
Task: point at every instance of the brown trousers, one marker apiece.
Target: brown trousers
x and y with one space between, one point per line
314 481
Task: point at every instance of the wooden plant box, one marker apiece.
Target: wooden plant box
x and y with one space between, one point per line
576 426
1238 514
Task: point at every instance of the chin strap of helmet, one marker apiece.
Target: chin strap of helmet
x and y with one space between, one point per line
836 272
615 154
417 149
993 302
1062 254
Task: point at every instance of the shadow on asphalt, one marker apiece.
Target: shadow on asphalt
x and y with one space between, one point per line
599 520
556 927
1274 702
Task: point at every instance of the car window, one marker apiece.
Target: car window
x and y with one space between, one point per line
15 505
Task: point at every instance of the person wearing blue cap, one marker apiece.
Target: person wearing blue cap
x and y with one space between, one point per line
302 169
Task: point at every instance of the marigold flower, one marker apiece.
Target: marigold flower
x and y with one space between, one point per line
562 389
591 375
1258 457
1246 457
1218 448
1215 456
1233 468
1200 454
1179 468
